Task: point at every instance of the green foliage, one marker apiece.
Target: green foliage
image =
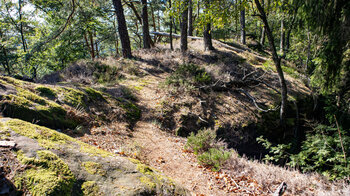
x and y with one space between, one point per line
209 153
201 142
322 152
189 75
214 157
277 153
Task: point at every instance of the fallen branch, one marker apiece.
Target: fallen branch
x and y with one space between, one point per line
281 189
255 103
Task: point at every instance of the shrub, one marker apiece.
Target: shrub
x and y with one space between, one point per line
321 152
214 157
187 75
209 151
201 142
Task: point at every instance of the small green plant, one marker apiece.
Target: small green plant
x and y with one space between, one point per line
214 157
201 142
189 75
209 152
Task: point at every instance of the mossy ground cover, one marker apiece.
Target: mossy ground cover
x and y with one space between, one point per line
48 175
63 107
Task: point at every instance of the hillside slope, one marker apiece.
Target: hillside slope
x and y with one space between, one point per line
144 108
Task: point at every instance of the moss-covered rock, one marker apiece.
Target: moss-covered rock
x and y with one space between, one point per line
90 188
48 174
62 107
61 165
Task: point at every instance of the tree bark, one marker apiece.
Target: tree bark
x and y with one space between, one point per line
277 61
208 45
92 48
116 37
171 29
184 15
262 39
282 41
122 29
190 18
145 27
21 25
242 19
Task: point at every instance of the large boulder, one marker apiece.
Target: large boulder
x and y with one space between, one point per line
56 164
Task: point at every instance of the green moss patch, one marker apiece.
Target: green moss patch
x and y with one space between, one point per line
46 92
73 97
90 188
47 138
94 94
133 113
48 175
94 168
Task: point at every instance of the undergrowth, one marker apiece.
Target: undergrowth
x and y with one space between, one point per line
211 153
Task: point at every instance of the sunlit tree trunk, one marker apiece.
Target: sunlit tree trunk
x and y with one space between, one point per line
171 29
190 18
276 60
184 22
145 27
282 41
21 25
122 29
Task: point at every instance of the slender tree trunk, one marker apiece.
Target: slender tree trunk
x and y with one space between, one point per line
262 39
208 45
122 29
171 29
116 37
282 37
190 18
21 25
198 9
145 27
96 46
92 48
184 15
277 61
243 26
174 25
154 22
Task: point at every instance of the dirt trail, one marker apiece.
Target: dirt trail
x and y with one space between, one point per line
164 151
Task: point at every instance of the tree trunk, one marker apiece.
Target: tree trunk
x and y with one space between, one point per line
190 18
21 25
154 22
92 48
262 39
145 27
208 45
97 54
184 15
242 19
6 64
122 29
277 61
282 37
116 38
171 29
